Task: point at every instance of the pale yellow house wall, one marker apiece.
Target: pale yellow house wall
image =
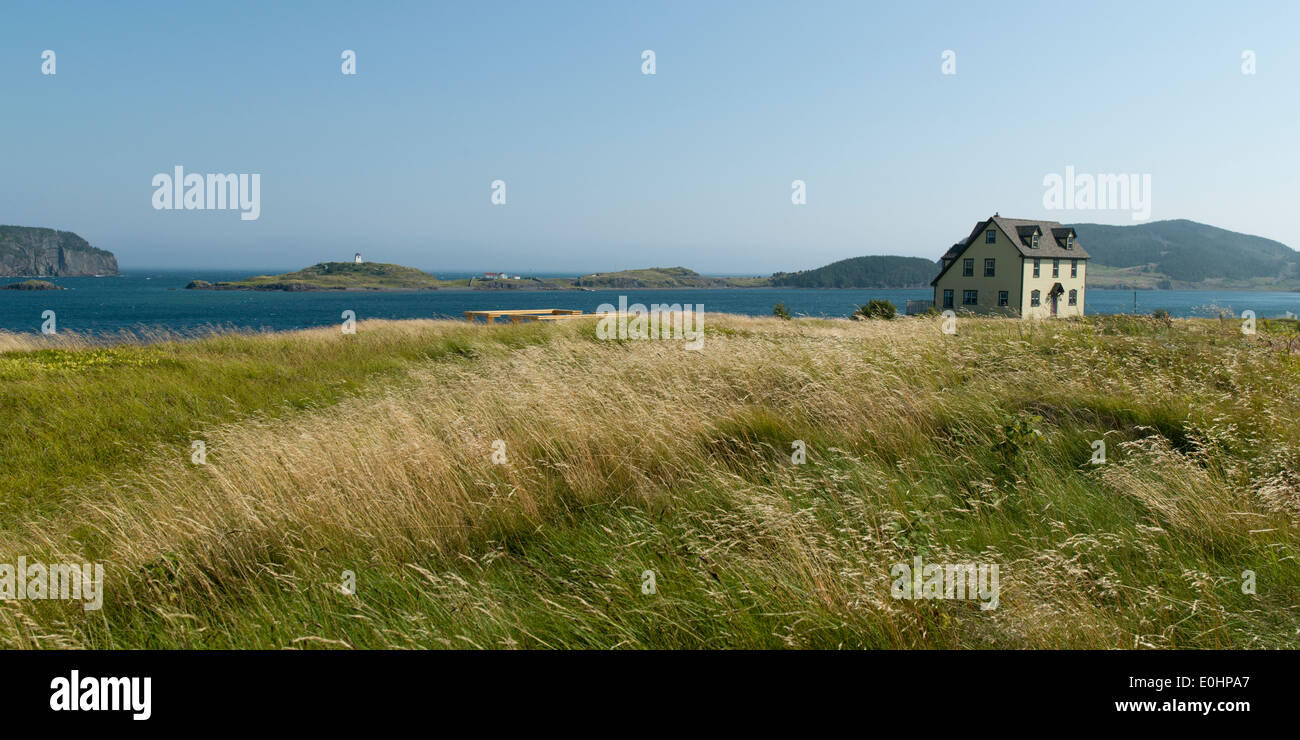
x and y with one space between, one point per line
1044 282
1007 276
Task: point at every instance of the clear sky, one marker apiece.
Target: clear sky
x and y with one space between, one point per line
608 168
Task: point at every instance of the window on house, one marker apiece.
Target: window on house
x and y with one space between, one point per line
1033 298
968 267
988 267
1074 268
1003 298
1056 268
970 297
1069 242
1074 297
947 298
1034 242
990 237
1035 267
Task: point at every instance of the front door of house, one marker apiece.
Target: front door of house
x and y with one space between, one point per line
1056 297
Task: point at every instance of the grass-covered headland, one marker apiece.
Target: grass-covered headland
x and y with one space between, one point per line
374 459
335 276
378 276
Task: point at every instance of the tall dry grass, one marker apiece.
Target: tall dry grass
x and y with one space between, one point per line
623 457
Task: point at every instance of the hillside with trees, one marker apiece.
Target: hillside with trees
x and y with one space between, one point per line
1186 254
863 272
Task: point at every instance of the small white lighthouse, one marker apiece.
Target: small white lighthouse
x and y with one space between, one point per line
356 260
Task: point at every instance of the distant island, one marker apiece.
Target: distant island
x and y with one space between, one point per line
379 276
334 276
31 285
1164 255
28 251
662 277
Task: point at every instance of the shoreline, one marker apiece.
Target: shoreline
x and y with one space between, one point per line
465 289
535 288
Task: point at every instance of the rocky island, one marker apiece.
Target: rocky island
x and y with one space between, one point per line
335 276
27 251
662 277
377 276
31 285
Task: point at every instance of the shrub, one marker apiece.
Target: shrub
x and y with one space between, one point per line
878 309
1019 434
781 311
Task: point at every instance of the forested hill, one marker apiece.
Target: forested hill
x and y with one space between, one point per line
1181 252
864 272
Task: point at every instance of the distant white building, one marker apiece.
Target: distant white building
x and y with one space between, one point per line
356 259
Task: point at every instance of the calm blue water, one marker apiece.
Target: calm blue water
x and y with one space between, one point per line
158 299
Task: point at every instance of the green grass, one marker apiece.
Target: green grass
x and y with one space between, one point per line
627 457
74 415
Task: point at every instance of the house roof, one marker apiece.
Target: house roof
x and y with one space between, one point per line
1026 232
1051 242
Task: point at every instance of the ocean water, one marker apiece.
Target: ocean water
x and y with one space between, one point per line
144 299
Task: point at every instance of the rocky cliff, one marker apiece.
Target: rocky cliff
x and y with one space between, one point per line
27 251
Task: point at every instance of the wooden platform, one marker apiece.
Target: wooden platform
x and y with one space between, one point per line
523 314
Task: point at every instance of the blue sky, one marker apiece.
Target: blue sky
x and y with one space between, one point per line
607 168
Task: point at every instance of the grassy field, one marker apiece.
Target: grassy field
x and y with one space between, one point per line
373 454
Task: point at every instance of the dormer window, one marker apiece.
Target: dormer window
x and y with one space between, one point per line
1029 235
1064 237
